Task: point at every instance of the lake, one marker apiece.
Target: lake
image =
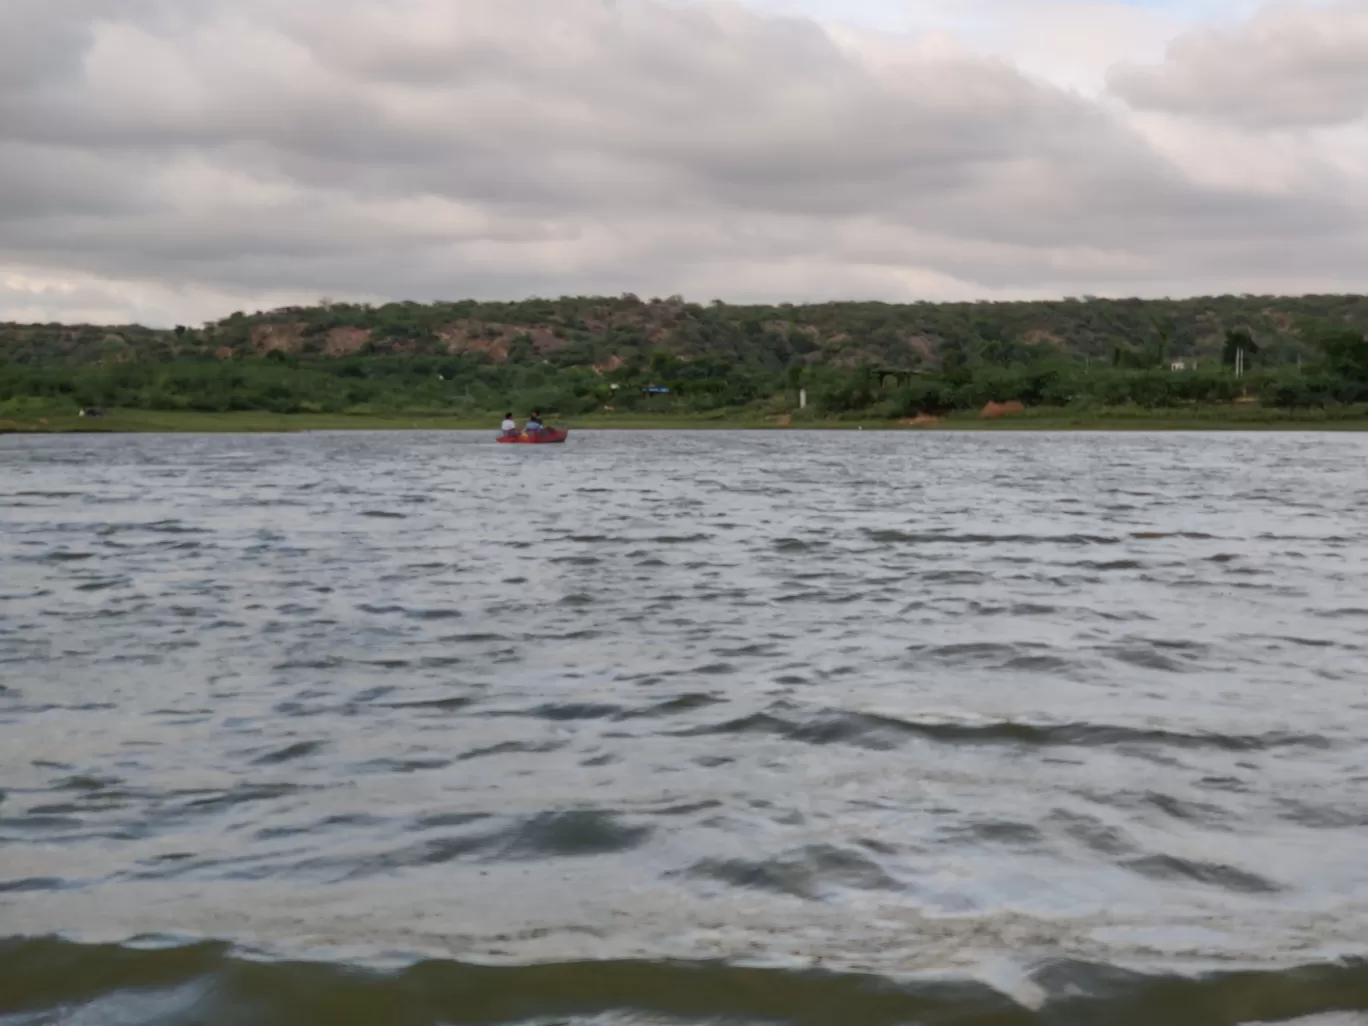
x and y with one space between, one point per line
684 728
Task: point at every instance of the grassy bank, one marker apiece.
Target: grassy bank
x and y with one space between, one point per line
177 422
1210 418
1241 417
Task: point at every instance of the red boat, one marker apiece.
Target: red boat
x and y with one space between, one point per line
546 436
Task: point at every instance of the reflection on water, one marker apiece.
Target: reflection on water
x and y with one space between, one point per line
689 727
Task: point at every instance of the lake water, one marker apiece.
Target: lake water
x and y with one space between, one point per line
685 728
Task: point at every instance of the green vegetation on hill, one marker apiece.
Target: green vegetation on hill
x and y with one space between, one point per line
577 356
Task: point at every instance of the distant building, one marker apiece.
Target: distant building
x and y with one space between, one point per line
1178 365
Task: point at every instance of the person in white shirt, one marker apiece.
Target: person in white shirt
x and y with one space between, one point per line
509 425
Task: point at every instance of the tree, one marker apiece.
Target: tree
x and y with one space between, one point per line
1237 339
1345 351
663 365
954 359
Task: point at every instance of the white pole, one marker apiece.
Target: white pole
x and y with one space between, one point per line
802 399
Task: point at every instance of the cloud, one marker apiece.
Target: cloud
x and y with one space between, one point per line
1288 67
174 162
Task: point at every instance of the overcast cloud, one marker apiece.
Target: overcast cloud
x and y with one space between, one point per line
170 162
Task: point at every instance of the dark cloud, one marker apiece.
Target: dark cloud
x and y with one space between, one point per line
425 148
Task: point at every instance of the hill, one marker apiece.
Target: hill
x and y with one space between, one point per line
575 356
605 332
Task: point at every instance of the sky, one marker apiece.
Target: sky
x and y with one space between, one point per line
164 162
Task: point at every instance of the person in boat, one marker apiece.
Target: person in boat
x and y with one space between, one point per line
509 425
534 423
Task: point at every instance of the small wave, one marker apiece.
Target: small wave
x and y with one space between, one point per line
826 598
577 832
1211 874
105 585
66 556
893 537
401 766
1345 613
383 514
168 527
440 662
512 748
1148 659
299 750
321 663
674 706
550 835
452 703
978 651
312 829
1112 565
806 873
799 545
433 614
1093 833
217 801
86 784
1322 817
1016 609
1160 535
1009 833
447 820
33 883
882 732
1184 808
574 711
955 577
40 821
1039 664
38 593
1311 642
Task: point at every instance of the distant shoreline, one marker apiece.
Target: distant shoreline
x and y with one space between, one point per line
1121 419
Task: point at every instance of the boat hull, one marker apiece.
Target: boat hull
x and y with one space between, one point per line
550 436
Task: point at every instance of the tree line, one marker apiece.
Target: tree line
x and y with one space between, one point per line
588 331
965 376
581 354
